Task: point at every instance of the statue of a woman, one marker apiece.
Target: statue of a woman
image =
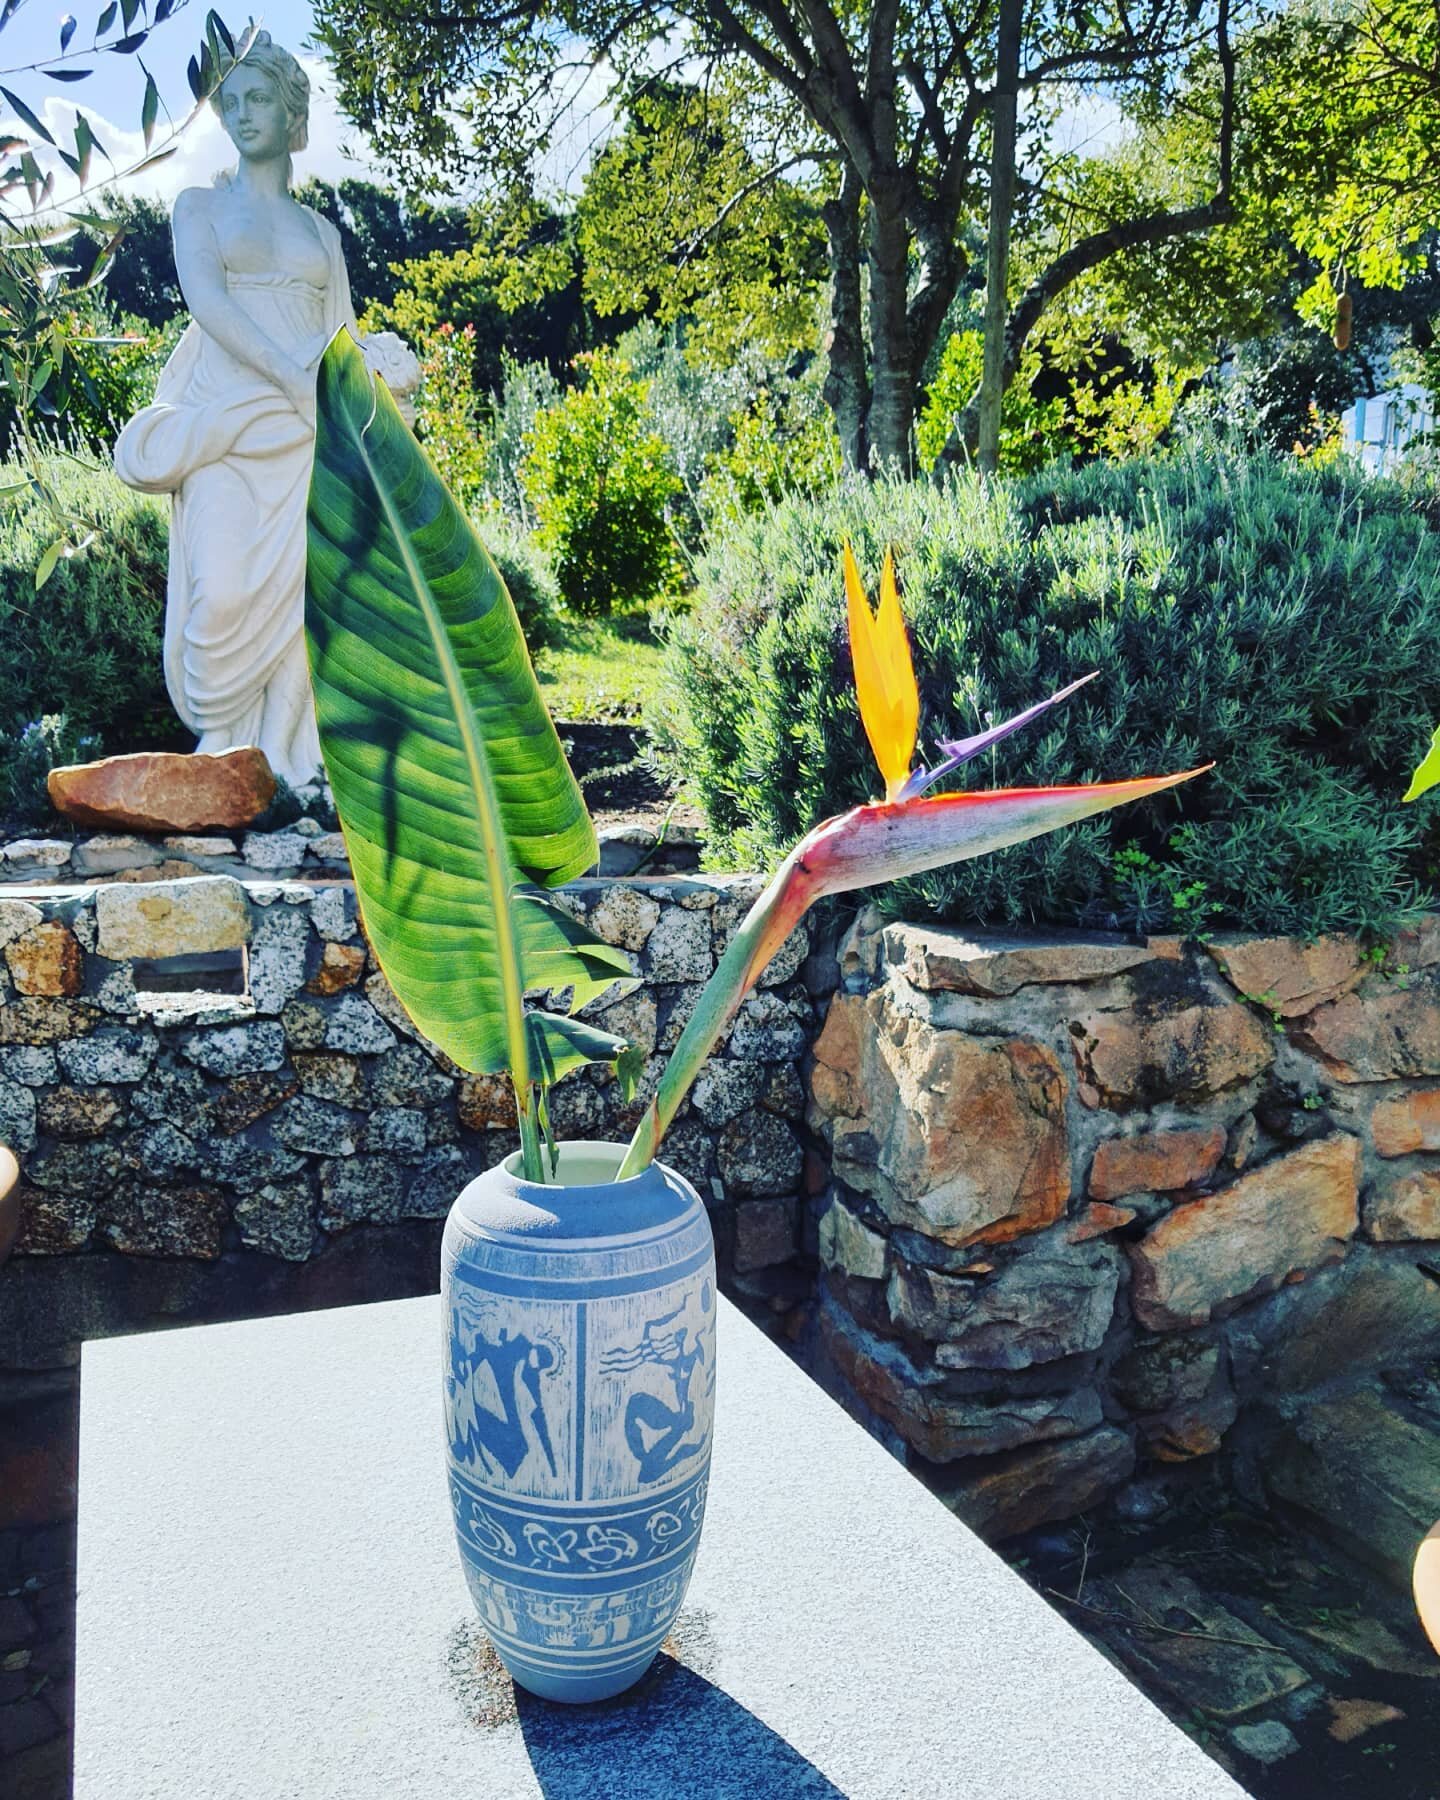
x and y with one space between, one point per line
232 428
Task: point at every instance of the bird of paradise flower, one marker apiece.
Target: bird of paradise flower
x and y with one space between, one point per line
909 832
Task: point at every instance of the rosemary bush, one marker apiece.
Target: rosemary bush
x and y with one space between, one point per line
1282 621
86 646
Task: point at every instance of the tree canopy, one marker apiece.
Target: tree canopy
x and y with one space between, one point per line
880 111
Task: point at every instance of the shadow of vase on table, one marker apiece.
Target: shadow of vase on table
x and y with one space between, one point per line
675 1733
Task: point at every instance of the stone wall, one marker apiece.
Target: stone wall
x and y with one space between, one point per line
1088 1198
309 848
185 1151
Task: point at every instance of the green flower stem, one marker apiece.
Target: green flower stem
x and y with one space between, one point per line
526 1110
765 928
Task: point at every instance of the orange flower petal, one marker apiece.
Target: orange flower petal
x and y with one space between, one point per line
884 673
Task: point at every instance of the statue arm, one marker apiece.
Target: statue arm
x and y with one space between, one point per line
202 282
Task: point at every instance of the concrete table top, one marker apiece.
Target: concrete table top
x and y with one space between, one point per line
271 1605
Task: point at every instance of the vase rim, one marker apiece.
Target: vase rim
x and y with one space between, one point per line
600 1147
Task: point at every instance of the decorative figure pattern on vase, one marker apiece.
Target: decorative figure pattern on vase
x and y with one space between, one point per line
231 432
579 1394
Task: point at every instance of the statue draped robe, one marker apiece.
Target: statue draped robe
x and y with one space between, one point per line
234 455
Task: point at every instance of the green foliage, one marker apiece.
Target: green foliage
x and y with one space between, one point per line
117 363
47 197
603 669
514 289
447 413
1282 620
676 221
378 229
525 569
1066 399
778 447
28 755
141 280
600 479
88 643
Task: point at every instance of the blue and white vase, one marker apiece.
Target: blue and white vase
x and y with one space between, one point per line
579 1391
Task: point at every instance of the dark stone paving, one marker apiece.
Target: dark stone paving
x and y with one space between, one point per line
1299 1669
39 1428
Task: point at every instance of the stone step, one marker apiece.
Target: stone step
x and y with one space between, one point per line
1366 1471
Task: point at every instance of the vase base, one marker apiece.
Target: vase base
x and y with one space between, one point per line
576 1687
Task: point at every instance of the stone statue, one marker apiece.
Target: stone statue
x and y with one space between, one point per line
230 434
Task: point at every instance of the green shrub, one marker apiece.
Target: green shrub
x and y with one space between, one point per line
599 479
447 414
121 367
88 645
28 755
526 572
780 447
1283 621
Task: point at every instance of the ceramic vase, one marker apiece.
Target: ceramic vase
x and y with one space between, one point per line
579 1390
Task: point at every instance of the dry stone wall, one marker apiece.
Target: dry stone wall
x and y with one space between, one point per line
1088 1198
159 1122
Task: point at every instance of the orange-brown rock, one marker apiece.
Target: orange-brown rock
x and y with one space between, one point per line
79 1112
1155 1161
1178 1036
834 1091
341 966
960 1137
160 791
1288 975
1403 1209
487 1103
1416 946
1407 1122
47 960
1350 1719
51 1224
1186 1432
36 1020
1096 1220
170 868
1287 1217
1382 1030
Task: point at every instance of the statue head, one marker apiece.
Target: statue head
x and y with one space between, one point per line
264 101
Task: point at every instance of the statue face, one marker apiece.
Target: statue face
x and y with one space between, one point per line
254 115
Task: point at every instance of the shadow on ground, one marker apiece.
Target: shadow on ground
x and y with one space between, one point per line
673 1733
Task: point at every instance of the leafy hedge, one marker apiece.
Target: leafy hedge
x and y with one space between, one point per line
1281 621
87 646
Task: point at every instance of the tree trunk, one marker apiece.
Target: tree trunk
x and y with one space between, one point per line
1002 207
892 402
847 384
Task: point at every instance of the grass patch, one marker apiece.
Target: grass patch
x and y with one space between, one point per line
601 669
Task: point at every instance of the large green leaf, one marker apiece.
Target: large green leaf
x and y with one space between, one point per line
448 776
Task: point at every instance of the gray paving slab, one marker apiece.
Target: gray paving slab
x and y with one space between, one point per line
271 1605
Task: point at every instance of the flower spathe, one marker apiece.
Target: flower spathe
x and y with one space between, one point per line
884 673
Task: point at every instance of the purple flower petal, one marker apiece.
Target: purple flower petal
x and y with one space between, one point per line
963 749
